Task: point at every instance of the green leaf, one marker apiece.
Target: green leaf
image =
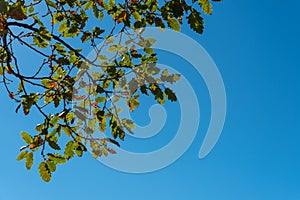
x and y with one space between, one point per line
95 11
29 160
104 151
109 40
101 16
97 31
102 124
106 83
54 120
31 9
52 4
53 145
51 166
137 16
113 48
133 103
67 130
39 127
22 155
26 137
206 6
175 77
102 57
3 6
79 148
101 99
69 150
161 100
40 42
174 24
92 124
149 50
62 27
56 158
111 3
20 87
1 71
86 36
88 5
96 75
45 173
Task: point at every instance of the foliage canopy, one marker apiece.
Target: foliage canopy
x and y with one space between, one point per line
53 30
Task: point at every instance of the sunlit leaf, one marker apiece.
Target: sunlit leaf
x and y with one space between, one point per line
22 155
44 171
26 137
174 24
29 160
206 6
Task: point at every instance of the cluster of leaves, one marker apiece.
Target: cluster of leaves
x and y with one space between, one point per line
51 29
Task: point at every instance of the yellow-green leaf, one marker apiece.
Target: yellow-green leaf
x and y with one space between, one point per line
22 155
62 26
137 16
29 160
100 99
104 152
39 127
69 149
44 172
51 166
31 9
206 6
88 5
67 130
174 24
111 3
56 158
26 137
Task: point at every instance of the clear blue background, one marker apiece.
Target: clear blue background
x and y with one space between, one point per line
256 47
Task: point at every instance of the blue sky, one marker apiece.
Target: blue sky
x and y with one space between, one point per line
255 45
